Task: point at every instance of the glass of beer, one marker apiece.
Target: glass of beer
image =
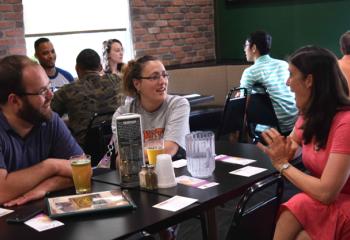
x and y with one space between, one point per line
154 146
81 171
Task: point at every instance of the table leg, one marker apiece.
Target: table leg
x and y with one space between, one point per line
211 223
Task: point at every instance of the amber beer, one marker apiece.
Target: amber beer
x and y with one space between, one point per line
152 153
81 170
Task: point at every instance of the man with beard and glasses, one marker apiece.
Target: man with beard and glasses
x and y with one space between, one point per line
46 55
34 142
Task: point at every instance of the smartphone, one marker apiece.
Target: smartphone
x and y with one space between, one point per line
23 214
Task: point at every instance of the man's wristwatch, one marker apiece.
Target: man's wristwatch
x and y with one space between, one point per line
284 167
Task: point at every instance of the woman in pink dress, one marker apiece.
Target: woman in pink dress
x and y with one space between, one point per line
322 210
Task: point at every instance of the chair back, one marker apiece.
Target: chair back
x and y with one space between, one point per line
98 136
205 118
257 209
233 118
260 115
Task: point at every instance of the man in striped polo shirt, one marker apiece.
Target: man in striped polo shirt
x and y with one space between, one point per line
271 74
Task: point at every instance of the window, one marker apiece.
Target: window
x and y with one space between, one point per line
75 25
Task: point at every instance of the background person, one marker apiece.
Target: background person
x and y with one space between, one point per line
322 210
90 94
113 53
46 55
271 74
34 141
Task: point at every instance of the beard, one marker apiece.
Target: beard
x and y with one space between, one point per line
33 115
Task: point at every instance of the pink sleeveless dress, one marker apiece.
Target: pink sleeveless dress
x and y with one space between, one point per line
318 220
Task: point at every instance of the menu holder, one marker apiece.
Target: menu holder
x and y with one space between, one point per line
88 203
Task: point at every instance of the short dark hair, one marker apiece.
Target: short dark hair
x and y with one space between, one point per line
344 43
88 59
262 41
329 91
40 41
11 75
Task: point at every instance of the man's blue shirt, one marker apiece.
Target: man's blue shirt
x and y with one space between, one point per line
50 139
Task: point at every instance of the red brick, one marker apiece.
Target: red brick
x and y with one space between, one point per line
6 7
162 36
6 42
152 16
148 37
162 50
174 35
154 30
174 23
13 16
167 43
12 1
178 2
18 7
191 40
137 3
173 9
7 24
161 23
14 33
21 51
166 30
139 31
141 45
165 16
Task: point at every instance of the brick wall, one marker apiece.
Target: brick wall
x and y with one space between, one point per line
11 28
177 31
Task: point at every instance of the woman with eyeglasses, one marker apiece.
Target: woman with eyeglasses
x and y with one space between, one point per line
113 56
163 115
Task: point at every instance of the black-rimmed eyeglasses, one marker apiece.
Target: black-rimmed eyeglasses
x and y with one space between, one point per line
42 92
156 77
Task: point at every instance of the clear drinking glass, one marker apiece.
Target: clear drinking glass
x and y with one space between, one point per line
200 152
81 171
154 146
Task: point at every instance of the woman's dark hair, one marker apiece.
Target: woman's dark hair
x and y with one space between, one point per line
262 41
329 91
133 70
107 46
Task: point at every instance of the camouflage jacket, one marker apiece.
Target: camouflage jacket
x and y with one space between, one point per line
82 98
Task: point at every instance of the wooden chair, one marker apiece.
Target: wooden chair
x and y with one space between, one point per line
257 209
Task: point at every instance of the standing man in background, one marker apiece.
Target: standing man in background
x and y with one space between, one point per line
344 62
46 55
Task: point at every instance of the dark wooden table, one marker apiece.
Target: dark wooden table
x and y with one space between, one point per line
103 225
230 186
